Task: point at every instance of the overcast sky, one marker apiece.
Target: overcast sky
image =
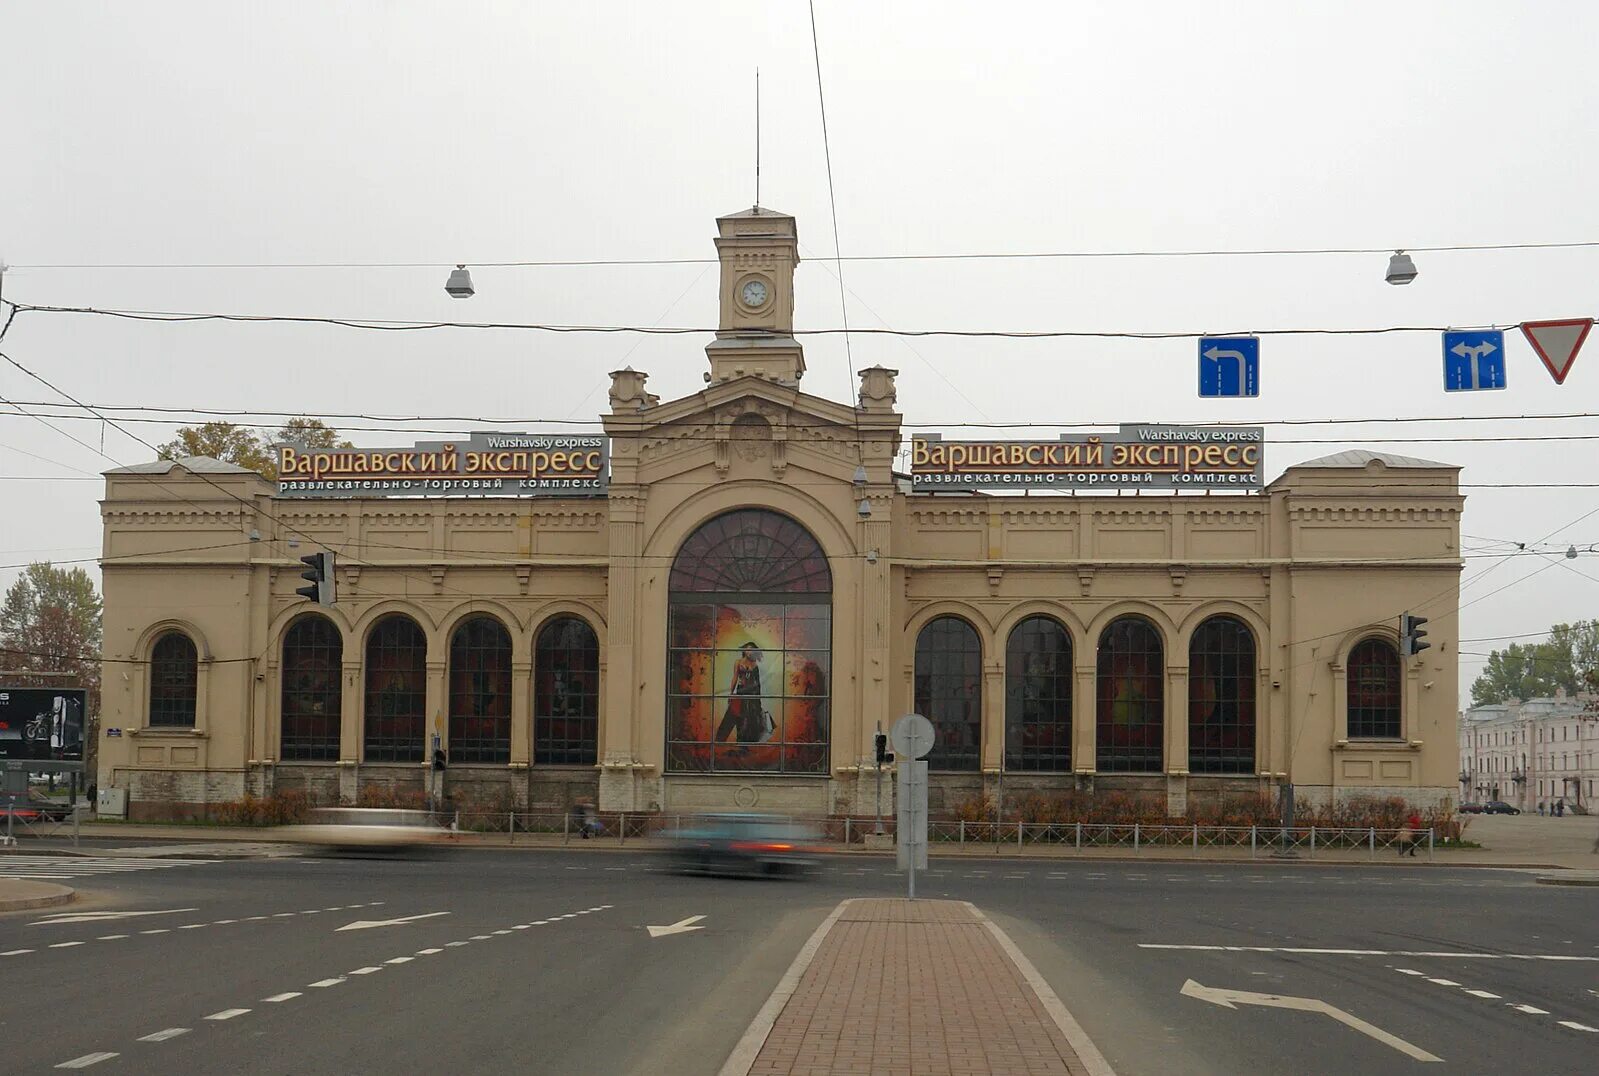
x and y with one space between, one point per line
479 132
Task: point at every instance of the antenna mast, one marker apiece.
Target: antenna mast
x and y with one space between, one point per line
757 138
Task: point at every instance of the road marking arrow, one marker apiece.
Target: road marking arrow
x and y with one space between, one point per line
1229 999
682 926
101 917
368 924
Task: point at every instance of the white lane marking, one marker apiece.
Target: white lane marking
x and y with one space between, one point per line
112 937
311 911
1366 952
1484 994
682 926
1444 982
540 922
396 960
501 932
282 915
86 1060
522 926
454 945
252 918
368 924
1229 999
163 930
222 922
428 952
65 945
227 1014
100 917
16 952
335 981
1531 1010
193 926
1573 1025
1409 971
364 971
616 868
481 937
287 995
163 1036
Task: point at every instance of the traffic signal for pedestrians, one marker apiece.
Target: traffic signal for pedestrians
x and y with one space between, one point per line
1411 635
438 758
319 570
883 754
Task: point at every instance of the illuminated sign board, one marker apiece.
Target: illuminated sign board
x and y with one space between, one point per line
487 465
1134 457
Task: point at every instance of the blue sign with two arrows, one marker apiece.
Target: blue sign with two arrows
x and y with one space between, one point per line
1474 360
1229 366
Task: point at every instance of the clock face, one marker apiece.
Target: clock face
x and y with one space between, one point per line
753 293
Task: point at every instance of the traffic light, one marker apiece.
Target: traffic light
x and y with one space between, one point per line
438 758
319 570
880 745
1411 635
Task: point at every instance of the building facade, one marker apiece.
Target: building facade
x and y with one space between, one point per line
755 585
1532 753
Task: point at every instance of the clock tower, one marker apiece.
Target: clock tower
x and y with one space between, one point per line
758 249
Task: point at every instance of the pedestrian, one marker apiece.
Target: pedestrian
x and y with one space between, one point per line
1560 808
1540 807
1410 835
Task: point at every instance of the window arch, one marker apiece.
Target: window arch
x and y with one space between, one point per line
313 664
480 691
1221 697
566 693
396 690
1373 683
1130 697
1038 696
749 647
949 691
174 680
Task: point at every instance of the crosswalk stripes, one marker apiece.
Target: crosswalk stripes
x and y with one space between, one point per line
54 868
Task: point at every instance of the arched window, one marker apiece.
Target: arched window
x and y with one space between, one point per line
313 662
566 694
1374 691
749 639
949 691
1038 696
396 690
480 691
1221 697
1130 724
174 681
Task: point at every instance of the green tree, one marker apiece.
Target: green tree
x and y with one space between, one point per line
237 444
50 623
1522 672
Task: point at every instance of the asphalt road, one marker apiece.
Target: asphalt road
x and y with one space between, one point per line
543 963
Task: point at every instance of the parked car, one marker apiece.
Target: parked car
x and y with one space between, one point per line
1471 808
1499 807
750 844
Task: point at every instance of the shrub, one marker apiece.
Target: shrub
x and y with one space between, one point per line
388 796
278 809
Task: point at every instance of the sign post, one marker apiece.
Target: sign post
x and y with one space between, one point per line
913 738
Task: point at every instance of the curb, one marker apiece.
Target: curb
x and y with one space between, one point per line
1573 878
45 895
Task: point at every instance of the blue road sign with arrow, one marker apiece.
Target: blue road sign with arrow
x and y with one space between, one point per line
1229 366
1474 360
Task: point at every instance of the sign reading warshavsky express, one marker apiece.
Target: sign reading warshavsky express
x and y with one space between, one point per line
488 464
1134 457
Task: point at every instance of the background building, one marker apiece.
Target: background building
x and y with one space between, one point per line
728 619
1532 752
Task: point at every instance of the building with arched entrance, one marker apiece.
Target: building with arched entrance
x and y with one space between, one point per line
716 604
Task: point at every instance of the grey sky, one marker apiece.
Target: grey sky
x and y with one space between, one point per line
215 132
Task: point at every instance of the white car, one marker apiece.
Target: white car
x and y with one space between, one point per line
366 828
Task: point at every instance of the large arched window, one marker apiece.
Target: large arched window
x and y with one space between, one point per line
1038 696
1130 698
396 690
1221 697
749 638
480 691
566 694
949 691
174 681
1374 691
313 662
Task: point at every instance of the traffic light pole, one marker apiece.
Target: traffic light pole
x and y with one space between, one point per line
879 830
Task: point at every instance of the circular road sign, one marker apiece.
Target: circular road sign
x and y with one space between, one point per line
912 736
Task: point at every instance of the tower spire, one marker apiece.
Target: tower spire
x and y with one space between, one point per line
757 138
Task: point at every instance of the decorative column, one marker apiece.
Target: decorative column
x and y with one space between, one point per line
618 746
350 706
1084 725
991 749
1176 749
852 746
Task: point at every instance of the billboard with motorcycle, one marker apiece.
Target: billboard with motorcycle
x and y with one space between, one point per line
42 723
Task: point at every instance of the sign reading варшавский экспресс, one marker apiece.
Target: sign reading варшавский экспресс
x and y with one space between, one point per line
487 464
1134 457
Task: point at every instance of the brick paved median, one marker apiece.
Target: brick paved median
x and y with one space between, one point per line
901 988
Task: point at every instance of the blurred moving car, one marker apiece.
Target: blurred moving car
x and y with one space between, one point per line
1499 807
366 829
752 844
1471 808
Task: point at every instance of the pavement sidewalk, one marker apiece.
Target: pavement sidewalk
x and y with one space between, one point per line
907 988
